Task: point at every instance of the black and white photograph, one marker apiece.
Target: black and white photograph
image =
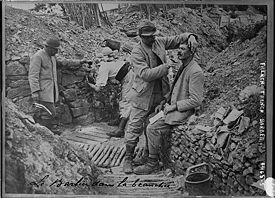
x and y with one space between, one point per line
137 98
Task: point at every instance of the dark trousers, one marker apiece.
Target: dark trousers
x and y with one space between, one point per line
44 118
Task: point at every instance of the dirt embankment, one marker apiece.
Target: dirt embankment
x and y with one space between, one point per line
32 153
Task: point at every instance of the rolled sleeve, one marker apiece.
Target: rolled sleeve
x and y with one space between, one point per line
34 73
196 93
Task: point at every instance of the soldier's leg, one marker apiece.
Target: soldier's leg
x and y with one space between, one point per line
46 118
154 133
125 109
133 132
166 149
139 160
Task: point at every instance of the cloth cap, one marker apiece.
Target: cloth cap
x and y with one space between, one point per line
52 42
147 28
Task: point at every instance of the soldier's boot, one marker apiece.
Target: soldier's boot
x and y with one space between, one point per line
151 166
143 159
128 160
121 129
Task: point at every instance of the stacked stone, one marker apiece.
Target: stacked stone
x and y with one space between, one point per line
17 85
78 102
189 146
236 156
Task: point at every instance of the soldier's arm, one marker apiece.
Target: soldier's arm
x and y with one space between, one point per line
144 71
173 42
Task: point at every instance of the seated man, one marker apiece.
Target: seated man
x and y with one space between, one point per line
117 71
186 94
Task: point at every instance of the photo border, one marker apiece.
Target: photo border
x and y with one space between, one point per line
269 85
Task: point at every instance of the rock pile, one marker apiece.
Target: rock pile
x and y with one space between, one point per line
231 144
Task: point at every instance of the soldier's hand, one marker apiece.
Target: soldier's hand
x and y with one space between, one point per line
170 64
160 106
192 43
168 108
96 88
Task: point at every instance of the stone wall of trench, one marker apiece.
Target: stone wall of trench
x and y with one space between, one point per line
78 102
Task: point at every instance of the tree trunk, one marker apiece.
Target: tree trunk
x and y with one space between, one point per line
96 9
85 14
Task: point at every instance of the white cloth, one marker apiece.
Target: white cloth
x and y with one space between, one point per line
107 70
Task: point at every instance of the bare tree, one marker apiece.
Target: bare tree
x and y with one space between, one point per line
86 14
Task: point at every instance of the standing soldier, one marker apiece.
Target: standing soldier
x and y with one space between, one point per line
151 82
43 81
117 71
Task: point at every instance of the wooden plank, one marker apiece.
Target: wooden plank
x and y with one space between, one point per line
82 146
102 154
101 162
88 137
97 154
107 163
99 135
78 144
113 162
86 146
81 140
120 156
91 148
94 151
95 129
